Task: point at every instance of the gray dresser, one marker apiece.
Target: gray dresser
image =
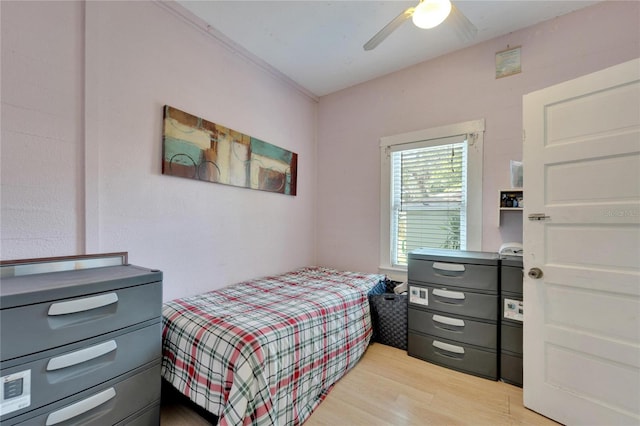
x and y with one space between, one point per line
453 314
81 347
511 320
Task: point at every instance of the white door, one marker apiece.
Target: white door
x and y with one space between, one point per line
581 327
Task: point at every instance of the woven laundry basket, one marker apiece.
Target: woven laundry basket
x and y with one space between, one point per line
389 316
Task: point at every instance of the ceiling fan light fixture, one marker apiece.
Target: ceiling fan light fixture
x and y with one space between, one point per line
431 13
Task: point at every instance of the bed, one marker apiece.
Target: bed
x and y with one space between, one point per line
268 351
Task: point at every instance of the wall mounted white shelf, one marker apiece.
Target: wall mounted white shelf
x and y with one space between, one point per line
510 200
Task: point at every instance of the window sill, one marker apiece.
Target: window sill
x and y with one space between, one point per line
396 273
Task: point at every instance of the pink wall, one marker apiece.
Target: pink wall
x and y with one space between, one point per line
129 59
41 134
453 88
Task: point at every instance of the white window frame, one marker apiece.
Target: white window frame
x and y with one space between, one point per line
423 138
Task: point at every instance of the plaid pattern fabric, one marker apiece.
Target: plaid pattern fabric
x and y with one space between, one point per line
267 351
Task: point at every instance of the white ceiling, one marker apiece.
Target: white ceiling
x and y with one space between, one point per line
318 44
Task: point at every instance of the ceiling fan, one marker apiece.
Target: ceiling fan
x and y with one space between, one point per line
428 14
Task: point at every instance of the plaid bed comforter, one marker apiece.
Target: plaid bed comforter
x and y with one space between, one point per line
267 351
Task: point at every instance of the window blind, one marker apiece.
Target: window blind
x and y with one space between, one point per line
428 196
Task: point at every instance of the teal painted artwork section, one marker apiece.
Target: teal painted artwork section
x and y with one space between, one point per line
268 150
178 150
287 185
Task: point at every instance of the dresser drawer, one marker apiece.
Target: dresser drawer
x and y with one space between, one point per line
146 417
511 369
511 279
106 404
455 301
452 268
511 338
455 355
447 327
62 372
41 326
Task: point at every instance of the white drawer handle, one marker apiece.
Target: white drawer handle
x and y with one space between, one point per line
449 267
448 294
80 407
449 348
449 321
80 356
81 305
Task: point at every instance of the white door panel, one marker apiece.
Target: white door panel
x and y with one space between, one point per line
574 309
589 277
567 119
594 383
582 318
589 180
593 246
612 144
599 347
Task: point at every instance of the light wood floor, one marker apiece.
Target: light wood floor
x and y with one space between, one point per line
388 387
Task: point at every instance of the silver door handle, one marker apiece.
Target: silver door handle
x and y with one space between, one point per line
535 273
538 216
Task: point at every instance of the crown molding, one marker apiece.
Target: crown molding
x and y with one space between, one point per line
198 23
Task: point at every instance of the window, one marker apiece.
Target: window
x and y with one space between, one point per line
431 191
428 193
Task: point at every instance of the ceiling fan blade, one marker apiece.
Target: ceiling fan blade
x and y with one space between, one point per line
388 29
465 30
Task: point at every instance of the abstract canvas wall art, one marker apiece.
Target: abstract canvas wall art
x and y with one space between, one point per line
199 149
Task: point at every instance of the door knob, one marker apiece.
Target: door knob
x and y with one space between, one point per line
535 273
